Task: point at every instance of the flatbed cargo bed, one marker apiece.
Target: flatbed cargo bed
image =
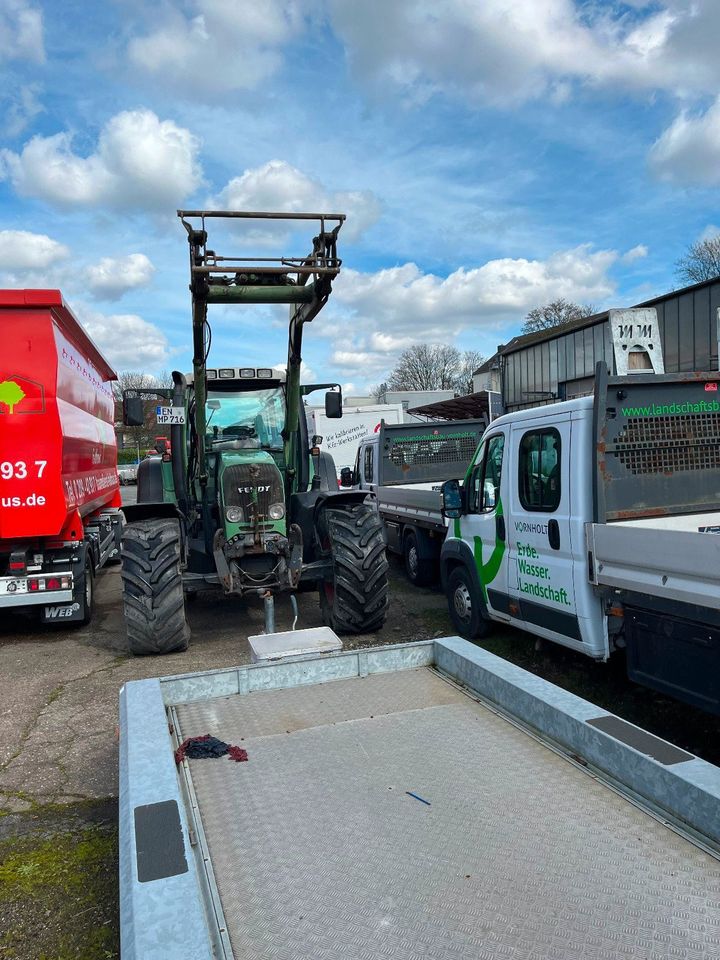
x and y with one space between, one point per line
393 806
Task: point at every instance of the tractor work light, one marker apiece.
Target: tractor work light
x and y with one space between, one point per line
265 373
277 511
211 374
226 373
247 373
235 514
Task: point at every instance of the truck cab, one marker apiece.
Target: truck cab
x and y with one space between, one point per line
518 550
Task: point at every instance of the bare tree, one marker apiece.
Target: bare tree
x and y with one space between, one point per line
470 360
555 314
700 262
434 366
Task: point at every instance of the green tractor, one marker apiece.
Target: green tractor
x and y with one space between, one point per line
241 499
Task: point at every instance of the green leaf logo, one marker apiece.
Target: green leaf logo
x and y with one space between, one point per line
10 394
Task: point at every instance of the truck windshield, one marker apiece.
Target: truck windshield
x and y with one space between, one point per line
254 414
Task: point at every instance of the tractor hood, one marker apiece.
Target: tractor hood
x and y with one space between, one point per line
251 492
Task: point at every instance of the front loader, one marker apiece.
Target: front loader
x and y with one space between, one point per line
242 500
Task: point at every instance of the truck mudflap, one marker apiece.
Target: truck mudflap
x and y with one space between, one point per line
677 656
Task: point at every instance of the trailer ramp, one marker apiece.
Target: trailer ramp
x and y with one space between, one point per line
394 815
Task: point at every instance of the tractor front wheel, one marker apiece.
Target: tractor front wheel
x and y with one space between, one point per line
355 600
152 587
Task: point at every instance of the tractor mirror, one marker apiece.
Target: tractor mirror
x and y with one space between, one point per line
133 412
333 405
452 500
213 404
346 477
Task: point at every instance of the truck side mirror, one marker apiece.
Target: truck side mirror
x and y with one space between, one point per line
346 477
133 412
333 405
452 499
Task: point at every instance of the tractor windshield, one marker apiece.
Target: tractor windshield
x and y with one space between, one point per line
253 415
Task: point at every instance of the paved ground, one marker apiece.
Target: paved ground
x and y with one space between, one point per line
59 688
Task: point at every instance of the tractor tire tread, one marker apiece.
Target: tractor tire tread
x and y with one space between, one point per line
152 587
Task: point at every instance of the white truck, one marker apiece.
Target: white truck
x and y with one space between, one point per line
593 523
340 438
404 466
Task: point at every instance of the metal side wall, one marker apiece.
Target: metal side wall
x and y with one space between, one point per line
161 910
163 907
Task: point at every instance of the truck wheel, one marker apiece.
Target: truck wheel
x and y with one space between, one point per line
152 587
419 572
465 605
356 599
88 595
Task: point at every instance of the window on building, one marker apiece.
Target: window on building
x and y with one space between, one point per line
539 470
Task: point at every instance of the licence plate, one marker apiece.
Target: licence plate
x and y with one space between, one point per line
13 586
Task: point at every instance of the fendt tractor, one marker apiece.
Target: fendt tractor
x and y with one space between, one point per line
243 500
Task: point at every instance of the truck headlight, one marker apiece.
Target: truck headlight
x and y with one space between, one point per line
277 511
235 514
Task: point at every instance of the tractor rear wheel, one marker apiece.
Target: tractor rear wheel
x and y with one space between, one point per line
152 587
356 599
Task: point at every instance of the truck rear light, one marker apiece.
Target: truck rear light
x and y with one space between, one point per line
33 586
53 583
17 561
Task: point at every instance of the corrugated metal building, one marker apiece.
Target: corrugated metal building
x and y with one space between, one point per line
560 363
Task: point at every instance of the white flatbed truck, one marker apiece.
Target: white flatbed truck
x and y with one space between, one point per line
594 523
404 466
426 799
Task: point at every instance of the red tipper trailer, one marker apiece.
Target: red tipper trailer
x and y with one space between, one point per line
59 492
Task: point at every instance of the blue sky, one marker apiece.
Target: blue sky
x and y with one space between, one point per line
491 155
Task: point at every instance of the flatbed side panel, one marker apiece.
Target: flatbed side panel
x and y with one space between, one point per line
211 684
686 791
161 908
671 564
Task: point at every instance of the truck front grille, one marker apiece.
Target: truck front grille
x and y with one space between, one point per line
252 486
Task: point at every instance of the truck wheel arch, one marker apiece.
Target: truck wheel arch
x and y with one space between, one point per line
456 553
419 556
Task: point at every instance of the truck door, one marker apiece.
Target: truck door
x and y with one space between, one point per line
366 467
484 525
540 559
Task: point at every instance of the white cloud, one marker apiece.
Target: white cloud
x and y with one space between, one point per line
219 47
688 152
140 162
487 302
112 277
21 105
500 51
637 253
126 340
22 250
277 185
21 32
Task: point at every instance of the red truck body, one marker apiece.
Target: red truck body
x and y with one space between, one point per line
58 453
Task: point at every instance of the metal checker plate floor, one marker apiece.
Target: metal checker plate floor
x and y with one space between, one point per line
320 853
